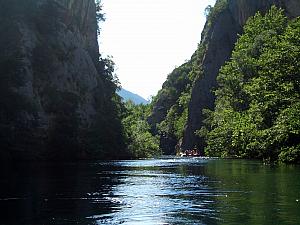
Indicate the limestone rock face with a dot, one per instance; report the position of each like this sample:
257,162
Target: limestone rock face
220,38
49,76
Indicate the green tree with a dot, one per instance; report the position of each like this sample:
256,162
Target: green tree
141,143
256,109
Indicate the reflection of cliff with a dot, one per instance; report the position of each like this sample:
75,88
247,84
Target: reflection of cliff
51,193
52,86
218,39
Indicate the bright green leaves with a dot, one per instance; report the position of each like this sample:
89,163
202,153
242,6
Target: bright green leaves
141,143
257,113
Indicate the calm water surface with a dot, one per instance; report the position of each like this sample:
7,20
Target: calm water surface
159,191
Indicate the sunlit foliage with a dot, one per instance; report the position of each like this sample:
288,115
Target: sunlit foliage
141,143
257,110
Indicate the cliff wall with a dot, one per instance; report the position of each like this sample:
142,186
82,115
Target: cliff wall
52,85
197,77
220,37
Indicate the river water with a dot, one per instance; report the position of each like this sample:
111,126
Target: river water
157,191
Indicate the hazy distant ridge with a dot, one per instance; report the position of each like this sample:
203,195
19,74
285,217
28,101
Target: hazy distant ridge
127,95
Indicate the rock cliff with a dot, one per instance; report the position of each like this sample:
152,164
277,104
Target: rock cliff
220,38
224,23
53,87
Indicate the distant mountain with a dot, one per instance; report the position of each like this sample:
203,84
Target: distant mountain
127,95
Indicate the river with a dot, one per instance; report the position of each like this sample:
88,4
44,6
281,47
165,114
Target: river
155,191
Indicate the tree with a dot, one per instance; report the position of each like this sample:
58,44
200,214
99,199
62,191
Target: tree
141,143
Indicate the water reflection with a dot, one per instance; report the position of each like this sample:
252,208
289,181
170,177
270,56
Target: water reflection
54,193
259,194
161,191
168,191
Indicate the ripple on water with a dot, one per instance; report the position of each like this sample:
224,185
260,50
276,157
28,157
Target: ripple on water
157,191
152,192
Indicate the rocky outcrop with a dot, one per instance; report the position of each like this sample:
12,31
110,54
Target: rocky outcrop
220,37
51,86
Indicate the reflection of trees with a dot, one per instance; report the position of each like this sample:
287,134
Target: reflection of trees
183,192
256,194
49,193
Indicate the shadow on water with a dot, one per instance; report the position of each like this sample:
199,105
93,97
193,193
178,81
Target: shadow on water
55,193
158,191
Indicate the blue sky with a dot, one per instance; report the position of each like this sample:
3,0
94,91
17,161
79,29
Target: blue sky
148,38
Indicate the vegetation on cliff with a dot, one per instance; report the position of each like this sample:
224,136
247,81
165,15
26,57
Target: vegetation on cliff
257,110
170,106
140,142
257,106
173,99
58,95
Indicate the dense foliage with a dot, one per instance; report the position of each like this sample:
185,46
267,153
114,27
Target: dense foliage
141,143
106,138
170,105
257,110
177,89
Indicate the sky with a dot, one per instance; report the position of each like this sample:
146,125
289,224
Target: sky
149,38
